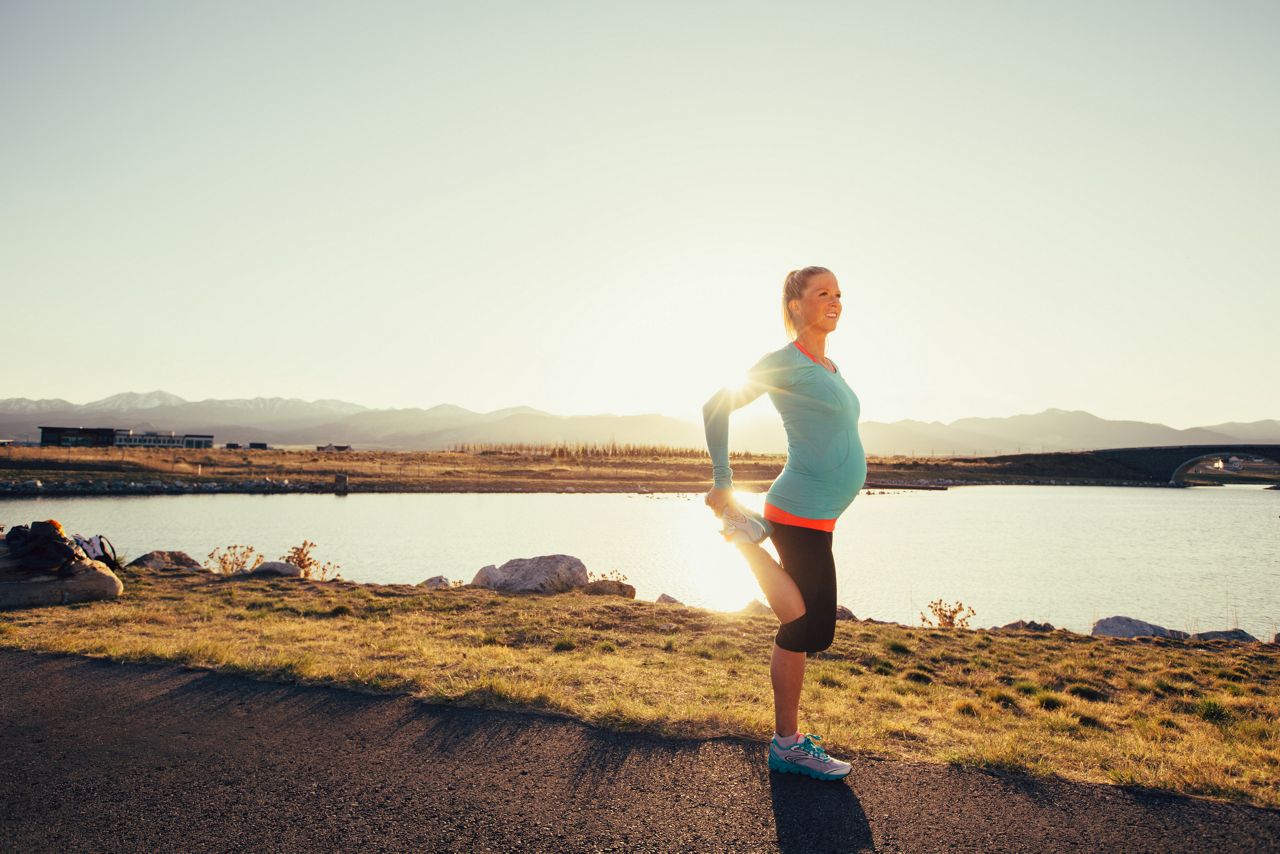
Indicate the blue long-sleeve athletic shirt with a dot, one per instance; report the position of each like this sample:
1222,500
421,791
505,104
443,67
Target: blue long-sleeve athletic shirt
826,464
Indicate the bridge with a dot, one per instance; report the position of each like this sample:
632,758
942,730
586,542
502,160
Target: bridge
1170,463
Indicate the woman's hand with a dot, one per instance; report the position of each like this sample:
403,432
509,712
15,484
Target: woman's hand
718,498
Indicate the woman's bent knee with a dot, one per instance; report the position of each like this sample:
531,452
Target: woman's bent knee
806,635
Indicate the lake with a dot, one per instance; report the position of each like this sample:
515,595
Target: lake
1192,559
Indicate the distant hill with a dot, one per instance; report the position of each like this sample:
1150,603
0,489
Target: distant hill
289,421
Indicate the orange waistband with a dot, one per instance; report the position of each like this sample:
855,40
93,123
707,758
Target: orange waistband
774,514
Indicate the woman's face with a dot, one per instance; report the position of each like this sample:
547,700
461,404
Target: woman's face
819,306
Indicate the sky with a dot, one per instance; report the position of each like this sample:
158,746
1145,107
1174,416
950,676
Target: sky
591,207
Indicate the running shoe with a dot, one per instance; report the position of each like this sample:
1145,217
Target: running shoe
806,757
744,526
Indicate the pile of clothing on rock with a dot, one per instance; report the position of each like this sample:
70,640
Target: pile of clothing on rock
46,547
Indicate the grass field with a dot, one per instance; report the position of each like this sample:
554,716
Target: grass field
1190,717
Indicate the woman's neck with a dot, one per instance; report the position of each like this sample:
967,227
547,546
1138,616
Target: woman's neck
815,343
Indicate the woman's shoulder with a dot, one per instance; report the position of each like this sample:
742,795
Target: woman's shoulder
780,361
784,355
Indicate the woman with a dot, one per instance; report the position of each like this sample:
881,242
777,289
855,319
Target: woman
825,468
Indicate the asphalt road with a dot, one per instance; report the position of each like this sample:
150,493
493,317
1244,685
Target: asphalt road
99,756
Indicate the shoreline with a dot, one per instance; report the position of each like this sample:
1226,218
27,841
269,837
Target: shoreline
267,486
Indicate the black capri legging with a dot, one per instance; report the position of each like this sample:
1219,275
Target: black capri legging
806,556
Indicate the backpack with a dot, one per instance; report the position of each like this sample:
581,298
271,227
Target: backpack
99,548
42,547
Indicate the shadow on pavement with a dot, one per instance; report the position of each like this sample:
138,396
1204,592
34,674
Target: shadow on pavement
817,815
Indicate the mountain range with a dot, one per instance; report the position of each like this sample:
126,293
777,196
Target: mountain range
289,421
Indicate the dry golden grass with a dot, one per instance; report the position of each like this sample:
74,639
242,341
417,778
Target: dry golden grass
1199,718
527,468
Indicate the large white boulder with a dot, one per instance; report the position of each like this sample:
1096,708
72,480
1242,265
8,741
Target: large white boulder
1128,627
277,569
542,574
82,581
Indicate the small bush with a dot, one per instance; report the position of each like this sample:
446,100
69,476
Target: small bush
897,647
829,681
966,708
233,559
918,676
610,575
300,556
1026,687
606,647
564,645
947,616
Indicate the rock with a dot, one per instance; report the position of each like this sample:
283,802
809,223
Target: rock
81,581
1128,627
1225,634
161,560
276,568
668,600
757,608
843,613
543,574
436,582
1025,626
608,587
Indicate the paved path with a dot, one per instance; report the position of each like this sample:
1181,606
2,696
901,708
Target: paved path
96,756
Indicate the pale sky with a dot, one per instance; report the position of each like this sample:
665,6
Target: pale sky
590,207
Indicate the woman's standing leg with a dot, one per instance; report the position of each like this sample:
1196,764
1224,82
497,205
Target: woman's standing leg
786,671
786,668
809,564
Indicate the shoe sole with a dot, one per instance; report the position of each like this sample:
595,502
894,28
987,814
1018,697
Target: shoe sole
778,765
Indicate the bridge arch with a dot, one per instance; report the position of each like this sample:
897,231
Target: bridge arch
1168,463
1174,478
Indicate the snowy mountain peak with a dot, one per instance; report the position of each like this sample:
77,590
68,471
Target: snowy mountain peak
135,400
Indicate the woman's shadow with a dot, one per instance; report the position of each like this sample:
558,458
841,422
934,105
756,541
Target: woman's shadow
817,815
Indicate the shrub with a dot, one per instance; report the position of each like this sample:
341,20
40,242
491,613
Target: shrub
1212,711
300,556
1049,702
1004,698
233,559
897,647
610,575
564,645
1087,692
947,616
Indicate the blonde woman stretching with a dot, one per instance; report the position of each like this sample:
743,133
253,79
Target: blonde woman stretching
825,468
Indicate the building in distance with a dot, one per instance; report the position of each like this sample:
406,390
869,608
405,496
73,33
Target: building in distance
117,437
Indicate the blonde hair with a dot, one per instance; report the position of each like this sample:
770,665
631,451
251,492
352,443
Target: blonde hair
793,288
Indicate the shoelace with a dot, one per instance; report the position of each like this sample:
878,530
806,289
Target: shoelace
809,745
